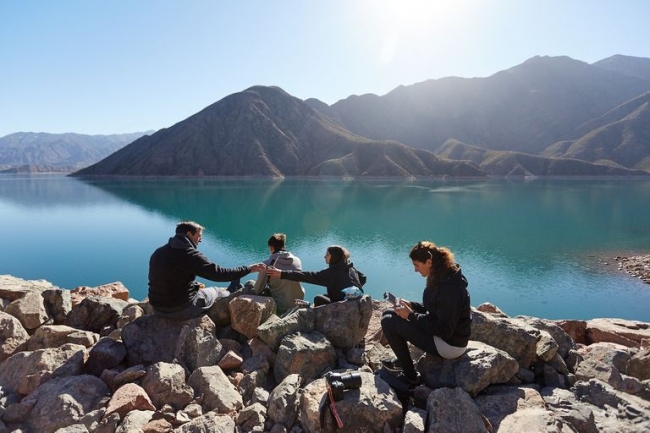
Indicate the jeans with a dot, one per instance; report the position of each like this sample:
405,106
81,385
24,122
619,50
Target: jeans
398,332
203,300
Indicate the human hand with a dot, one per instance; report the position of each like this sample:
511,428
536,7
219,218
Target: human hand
273,272
258,267
403,309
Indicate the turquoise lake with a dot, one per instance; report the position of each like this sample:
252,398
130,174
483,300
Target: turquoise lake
541,247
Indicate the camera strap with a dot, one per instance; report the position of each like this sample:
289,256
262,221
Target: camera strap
332,406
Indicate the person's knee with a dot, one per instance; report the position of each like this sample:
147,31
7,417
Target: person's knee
388,318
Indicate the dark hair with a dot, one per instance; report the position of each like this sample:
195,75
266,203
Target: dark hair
442,260
188,226
338,254
277,241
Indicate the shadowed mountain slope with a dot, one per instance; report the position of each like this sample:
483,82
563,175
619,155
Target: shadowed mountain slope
620,137
525,108
265,132
507,163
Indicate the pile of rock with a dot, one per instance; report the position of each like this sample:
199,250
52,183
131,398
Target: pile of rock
638,266
107,365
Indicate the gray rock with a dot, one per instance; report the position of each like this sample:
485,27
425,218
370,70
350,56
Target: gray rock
218,393
345,324
104,355
308,355
23,372
165,384
512,336
284,400
479,367
211,422
29,309
49,336
247,312
58,303
252,418
564,405
368,409
13,335
639,365
452,410
94,313
273,330
134,421
63,401
192,343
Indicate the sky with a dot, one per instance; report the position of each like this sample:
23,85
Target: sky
117,66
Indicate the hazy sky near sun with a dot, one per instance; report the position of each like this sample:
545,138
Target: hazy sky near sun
112,66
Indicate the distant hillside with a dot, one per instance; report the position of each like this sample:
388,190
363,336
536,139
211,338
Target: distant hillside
36,152
265,132
507,163
619,137
525,108
632,66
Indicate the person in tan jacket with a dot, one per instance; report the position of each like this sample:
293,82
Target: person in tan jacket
283,292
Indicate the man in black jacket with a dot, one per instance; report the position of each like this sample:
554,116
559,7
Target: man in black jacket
173,291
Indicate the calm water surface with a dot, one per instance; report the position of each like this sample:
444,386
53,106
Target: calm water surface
535,247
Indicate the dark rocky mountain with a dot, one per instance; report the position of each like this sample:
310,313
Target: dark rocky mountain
525,108
37,152
508,163
631,66
265,132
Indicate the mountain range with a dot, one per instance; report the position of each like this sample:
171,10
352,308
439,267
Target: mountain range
42,152
549,116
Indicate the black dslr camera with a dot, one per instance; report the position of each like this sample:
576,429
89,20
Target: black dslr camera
339,382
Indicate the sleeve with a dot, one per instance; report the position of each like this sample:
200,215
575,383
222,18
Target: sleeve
319,278
204,268
441,314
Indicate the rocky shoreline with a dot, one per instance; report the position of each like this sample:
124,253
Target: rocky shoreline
637,266
93,360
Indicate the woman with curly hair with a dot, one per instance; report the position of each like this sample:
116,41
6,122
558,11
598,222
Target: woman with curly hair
441,324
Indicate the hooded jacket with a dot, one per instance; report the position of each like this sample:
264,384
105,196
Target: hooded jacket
173,268
445,310
283,292
337,277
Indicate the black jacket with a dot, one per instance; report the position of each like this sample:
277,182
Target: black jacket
336,278
445,311
173,268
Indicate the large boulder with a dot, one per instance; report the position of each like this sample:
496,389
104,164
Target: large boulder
165,383
308,355
23,372
113,290
273,330
247,312
151,339
512,336
374,407
29,309
48,336
218,394
63,401
519,409
58,303
95,313
12,335
345,324
452,410
284,401
104,355
629,333
480,367
12,288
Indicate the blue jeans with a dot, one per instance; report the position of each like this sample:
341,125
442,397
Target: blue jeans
398,332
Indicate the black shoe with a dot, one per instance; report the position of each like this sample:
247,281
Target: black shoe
392,365
412,383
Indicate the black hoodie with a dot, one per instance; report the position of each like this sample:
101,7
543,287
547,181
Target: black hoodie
336,278
445,311
173,268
